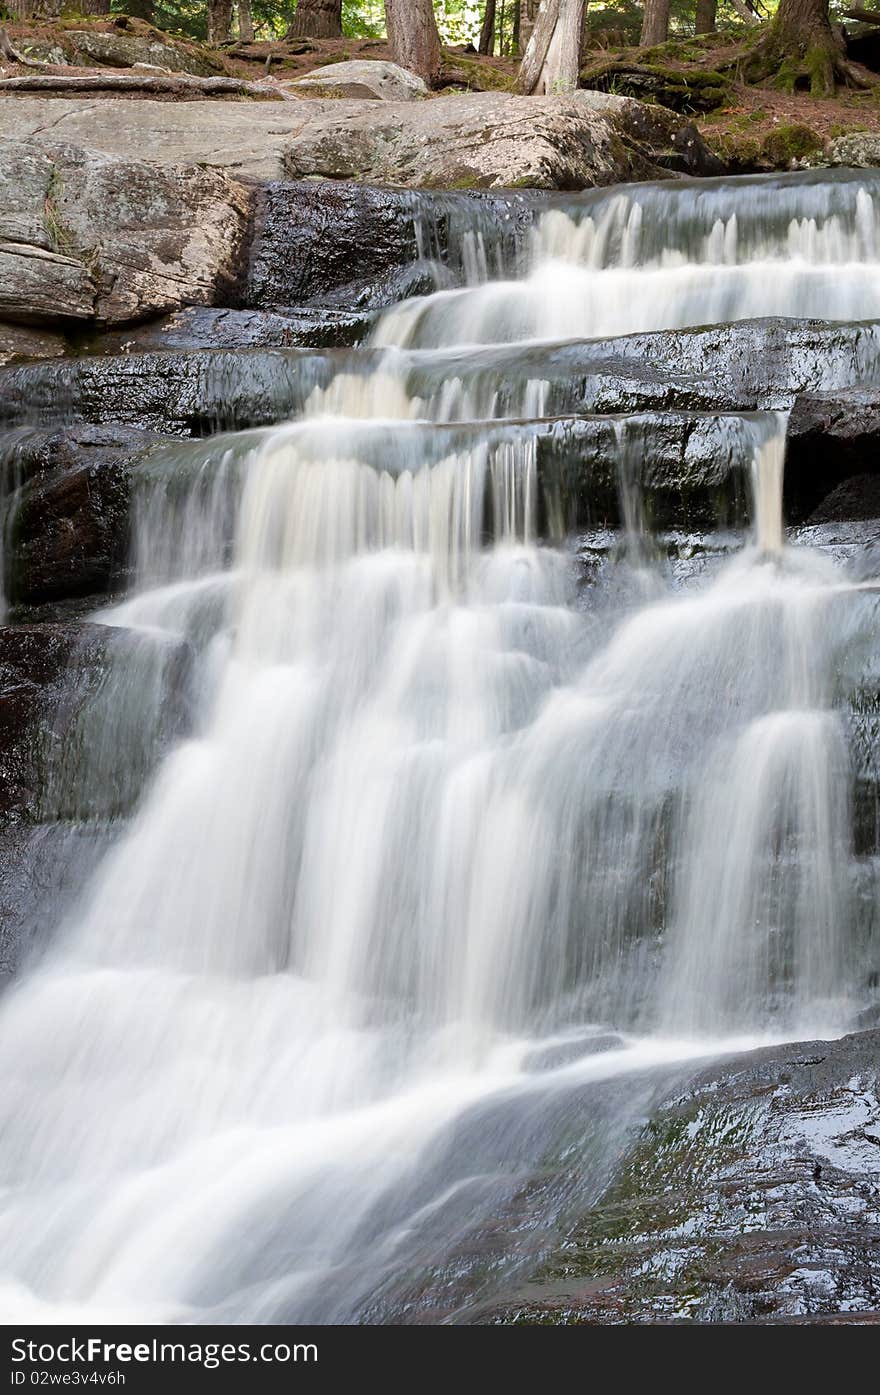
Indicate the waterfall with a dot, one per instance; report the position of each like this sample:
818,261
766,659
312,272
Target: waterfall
448,849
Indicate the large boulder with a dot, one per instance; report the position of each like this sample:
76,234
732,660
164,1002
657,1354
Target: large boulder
494,140
372,79
127,44
89,237
470,140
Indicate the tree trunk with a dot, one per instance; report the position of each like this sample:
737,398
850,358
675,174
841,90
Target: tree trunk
141,9
316,19
552,60
516,28
655,25
487,33
245,22
705,17
528,13
801,50
413,37
219,21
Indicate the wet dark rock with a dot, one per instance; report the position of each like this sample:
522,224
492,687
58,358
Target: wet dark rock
179,394
834,437
43,868
753,365
198,327
86,711
856,498
23,342
34,661
67,519
315,242
751,1194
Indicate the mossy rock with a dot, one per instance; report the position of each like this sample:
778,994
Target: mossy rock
686,91
785,144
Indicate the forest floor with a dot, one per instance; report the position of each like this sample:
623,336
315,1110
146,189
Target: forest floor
750,127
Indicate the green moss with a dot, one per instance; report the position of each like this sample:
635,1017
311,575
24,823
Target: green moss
820,70
787,143
480,76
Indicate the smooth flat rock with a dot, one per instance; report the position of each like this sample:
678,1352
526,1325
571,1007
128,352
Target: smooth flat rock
471,140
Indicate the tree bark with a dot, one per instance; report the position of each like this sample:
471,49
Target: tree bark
487,33
245,22
219,21
801,50
528,13
413,37
655,25
112,80
316,19
705,16
552,60
141,9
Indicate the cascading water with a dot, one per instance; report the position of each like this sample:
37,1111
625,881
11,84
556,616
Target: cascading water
336,1031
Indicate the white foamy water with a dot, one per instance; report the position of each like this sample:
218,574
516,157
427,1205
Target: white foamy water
446,854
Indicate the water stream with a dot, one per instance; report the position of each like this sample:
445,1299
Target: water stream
337,1030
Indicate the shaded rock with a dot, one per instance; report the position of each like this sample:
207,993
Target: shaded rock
85,236
33,662
752,1194
691,90
200,328
372,79
856,498
67,523
863,44
90,47
20,341
831,438
487,140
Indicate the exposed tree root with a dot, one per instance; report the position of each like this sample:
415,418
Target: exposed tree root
814,60
8,50
175,83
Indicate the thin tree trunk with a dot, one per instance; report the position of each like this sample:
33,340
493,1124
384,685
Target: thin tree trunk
487,33
516,28
744,11
316,19
528,13
245,22
219,21
655,25
705,16
413,37
141,9
552,60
